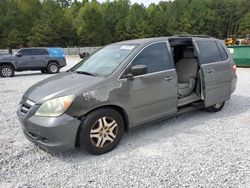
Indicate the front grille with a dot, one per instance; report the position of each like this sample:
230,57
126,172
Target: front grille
25,109
26,106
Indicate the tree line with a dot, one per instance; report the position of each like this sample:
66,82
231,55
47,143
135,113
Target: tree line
90,23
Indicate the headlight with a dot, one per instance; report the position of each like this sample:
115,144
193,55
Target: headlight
55,107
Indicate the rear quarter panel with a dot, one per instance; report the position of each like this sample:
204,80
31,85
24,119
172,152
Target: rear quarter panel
57,54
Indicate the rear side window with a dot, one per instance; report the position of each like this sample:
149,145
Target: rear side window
155,56
223,53
209,52
41,52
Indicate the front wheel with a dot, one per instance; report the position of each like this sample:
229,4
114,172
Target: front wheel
216,108
6,71
101,131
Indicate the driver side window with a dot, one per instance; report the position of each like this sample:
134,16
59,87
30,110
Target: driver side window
155,57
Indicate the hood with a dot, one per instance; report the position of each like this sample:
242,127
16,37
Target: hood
60,85
7,57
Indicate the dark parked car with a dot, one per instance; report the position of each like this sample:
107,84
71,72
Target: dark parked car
48,60
84,55
125,85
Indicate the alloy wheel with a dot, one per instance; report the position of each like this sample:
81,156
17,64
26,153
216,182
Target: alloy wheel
53,68
6,72
103,132
218,105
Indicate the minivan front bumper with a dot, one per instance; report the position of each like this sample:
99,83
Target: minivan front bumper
57,134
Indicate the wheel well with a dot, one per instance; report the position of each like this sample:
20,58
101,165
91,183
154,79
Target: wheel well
52,61
120,110
123,114
10,64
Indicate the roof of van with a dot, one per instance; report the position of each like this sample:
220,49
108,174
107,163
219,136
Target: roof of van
30,48
142,41
150,40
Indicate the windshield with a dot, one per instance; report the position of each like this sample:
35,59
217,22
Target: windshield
104,61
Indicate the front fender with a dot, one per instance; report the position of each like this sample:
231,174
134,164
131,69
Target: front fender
13,63
111,95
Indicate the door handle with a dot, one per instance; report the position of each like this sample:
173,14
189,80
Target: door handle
210,71
168,78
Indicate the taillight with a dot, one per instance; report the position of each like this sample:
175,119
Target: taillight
234,68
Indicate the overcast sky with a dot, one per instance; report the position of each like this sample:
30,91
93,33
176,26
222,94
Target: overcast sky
145,2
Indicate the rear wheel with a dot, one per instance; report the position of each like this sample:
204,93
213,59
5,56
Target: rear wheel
216,108
6,71
53,68
101,131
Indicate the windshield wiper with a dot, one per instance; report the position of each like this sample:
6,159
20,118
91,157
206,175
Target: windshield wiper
87,73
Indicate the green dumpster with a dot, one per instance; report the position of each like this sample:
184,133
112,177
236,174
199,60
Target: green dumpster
241,55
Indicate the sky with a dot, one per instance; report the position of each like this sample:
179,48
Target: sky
145,2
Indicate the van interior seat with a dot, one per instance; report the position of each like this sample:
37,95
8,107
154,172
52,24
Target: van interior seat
187,72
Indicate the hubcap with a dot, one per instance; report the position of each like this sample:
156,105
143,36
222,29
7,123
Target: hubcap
103,132
218,105
6,72
53,68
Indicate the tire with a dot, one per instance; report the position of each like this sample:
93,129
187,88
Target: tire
216,108
43,71
7,71
53,68
103,138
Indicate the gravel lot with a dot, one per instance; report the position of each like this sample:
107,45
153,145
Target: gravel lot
197,149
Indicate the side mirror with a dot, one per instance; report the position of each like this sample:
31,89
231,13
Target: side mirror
137,70
19,54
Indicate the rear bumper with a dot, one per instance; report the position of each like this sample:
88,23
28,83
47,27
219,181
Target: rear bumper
57,134
62,63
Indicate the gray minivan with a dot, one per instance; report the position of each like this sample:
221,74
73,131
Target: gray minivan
124,85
